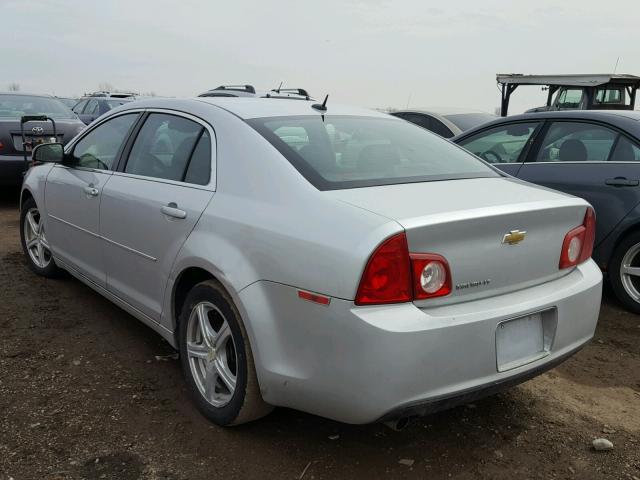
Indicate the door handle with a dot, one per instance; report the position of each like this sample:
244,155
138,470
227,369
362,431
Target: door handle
172,210
91,191
621,182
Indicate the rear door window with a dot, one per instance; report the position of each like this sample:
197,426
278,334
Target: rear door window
576,142
502,144
625,151
165,147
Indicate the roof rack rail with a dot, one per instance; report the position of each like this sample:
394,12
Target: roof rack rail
237,88
110,94
298,91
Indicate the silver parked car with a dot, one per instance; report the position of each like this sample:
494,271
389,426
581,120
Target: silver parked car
330,259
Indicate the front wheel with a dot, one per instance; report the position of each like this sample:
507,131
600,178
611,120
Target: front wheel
624,272
35,244
216,357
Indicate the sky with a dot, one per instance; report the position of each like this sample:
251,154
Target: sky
374,53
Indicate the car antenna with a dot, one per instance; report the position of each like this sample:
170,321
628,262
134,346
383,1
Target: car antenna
323,107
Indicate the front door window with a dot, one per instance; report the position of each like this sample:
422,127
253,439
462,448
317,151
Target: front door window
99,148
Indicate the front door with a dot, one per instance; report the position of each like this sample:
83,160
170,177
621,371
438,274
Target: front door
73,193
150,207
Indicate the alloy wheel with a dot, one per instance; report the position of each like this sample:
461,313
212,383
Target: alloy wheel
212,354
630,272
35,239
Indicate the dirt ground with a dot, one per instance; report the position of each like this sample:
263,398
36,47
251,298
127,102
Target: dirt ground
82,396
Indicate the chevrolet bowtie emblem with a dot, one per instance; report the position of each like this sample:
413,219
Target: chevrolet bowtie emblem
514,237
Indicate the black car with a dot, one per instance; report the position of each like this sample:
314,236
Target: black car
590,154
90,108
446,123
13,106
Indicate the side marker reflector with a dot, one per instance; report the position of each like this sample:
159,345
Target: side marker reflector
314,297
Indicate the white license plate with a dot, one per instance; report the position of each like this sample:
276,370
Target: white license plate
519,341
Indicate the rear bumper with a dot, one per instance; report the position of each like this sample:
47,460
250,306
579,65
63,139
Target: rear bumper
362,364
433,405
11,170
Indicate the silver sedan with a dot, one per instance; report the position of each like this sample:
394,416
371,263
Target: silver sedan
325,258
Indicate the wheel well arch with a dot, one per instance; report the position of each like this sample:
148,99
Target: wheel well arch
186,280
630,230
25,195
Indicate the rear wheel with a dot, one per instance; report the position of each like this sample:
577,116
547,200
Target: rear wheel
216,357
35,244
624,272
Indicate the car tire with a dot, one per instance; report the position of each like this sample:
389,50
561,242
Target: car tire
217,357
35,245
626,287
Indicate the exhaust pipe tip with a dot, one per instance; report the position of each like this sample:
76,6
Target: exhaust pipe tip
398,425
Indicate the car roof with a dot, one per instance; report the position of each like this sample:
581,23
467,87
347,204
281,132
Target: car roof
444,111
584,114
626,118
248,108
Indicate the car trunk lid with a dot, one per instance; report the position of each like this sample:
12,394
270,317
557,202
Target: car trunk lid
11,137
497,234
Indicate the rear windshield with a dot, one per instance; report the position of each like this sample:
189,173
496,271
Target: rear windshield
15,106
338,152
116,103
466,121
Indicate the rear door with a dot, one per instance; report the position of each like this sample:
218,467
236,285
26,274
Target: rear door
73,195
504,146
592,161
152,204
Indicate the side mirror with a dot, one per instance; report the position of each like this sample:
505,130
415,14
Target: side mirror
48,153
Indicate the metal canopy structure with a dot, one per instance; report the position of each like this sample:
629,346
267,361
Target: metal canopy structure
509,82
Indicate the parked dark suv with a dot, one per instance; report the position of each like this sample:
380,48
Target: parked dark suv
13,106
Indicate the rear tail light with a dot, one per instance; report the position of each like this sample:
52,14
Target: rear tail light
387,277
392,275
431,276
578,243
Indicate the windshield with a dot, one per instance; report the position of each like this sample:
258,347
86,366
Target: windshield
347,152
15,106
466,121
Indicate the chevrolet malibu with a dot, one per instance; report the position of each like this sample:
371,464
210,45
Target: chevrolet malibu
325,258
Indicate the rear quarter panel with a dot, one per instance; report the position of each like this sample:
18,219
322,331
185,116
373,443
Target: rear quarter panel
266,222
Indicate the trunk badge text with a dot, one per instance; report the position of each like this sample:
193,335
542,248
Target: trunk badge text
514,237
477,283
